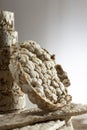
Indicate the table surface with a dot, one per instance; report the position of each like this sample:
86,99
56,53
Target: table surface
25,117
80,122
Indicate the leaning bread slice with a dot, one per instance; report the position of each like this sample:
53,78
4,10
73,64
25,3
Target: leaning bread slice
33,68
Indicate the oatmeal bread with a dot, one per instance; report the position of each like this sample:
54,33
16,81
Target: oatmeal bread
33,68
8,38
7,20
8,35
62,75
11,96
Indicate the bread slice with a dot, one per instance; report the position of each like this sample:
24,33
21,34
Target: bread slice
34,70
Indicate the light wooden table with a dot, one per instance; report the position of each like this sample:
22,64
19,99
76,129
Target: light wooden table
31,119
80,122
50,125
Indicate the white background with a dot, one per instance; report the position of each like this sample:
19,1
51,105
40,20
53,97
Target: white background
61,27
